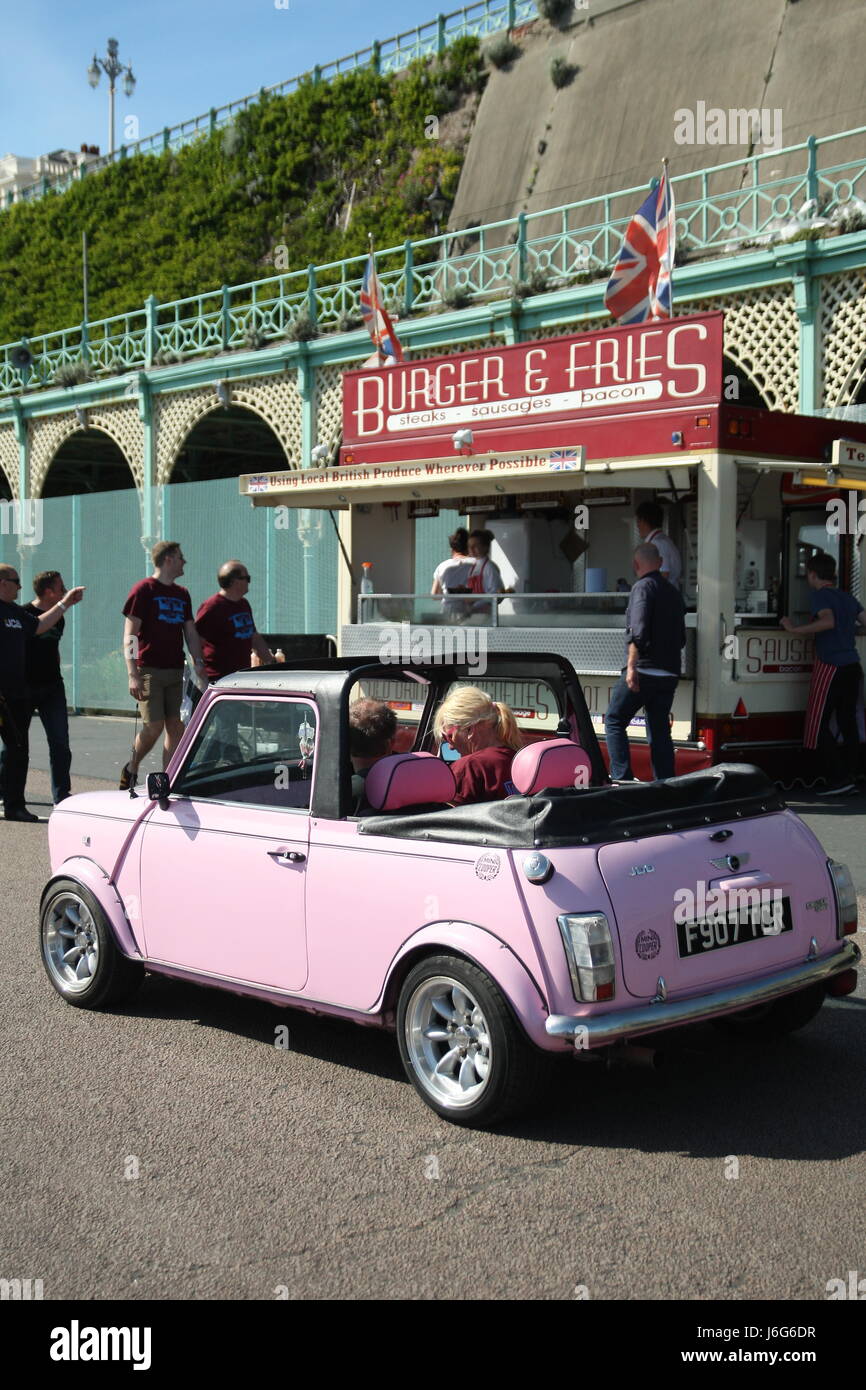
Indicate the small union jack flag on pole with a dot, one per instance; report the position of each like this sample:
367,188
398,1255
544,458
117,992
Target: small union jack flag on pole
641,285
373,312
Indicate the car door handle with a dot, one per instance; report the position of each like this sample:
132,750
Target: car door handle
286,856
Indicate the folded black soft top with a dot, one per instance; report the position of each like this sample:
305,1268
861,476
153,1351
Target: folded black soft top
591,815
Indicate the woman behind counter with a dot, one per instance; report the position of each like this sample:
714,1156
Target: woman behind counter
485,734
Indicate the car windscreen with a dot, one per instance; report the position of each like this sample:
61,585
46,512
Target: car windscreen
254,751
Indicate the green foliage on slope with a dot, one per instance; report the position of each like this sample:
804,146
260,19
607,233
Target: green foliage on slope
184,223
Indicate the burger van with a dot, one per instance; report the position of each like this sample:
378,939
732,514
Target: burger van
551,445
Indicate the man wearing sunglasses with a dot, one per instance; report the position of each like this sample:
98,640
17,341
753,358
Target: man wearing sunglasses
226,625
17,624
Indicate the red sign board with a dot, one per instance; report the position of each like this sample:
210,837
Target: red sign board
510,397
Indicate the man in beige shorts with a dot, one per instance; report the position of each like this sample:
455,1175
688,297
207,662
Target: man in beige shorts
158,613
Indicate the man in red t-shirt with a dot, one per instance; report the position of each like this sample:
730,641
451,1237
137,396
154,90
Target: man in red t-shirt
226,625
158,615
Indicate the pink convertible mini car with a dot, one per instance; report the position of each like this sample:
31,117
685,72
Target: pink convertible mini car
572,915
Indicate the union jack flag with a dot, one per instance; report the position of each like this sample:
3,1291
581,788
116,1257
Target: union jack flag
563,459
373,311
640,286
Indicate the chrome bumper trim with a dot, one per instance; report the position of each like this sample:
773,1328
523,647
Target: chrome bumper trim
599,1029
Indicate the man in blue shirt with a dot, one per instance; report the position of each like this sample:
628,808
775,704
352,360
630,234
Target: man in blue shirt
654,638
838,618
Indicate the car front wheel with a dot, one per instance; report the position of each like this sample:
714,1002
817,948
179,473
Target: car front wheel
79,952
460,1046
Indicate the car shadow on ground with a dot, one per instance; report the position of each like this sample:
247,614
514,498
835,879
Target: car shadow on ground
710,1094
714,1095
330,1039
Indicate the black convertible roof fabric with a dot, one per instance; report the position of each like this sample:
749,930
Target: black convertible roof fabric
591,815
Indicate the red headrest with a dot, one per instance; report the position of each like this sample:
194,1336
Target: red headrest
557,762
408,779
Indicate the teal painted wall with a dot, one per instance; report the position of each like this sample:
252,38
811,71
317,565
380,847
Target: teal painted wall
93,539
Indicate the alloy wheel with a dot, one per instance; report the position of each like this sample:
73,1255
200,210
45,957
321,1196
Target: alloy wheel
71,943
448,1042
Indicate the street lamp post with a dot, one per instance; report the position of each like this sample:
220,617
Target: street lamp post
439,206
112,67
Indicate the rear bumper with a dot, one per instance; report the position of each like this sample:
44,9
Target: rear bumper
602,1029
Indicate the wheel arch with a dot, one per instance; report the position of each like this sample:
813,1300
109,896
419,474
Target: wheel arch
482,948
88,874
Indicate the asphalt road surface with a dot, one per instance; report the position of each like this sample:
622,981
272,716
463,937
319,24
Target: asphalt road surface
170,1150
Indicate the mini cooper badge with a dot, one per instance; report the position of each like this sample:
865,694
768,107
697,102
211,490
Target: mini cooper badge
647,943
487,866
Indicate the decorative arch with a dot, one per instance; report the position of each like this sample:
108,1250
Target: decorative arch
743,369
275,399
50,433
9,460
762,336
843,332
224,443
328,404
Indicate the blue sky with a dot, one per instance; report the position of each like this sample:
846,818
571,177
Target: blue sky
187,56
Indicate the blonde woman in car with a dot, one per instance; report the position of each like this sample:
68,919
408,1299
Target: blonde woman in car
485,734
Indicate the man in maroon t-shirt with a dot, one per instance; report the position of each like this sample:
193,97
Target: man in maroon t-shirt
226,626
158,615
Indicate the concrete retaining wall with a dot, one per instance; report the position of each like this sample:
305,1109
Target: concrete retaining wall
641,61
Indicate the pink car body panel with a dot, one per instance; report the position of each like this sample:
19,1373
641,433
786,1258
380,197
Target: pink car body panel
219,895
367,895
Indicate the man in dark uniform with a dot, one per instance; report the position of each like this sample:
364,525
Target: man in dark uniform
654,637
17,624
45,689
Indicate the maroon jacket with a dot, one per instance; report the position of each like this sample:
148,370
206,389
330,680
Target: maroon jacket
483,776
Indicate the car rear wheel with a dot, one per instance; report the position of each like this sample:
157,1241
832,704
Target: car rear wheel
460,1046
79,952
774,1020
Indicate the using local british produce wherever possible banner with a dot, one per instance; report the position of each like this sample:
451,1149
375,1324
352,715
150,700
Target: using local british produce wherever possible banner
507,396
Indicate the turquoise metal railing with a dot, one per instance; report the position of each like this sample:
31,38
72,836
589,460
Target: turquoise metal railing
386,55
727,207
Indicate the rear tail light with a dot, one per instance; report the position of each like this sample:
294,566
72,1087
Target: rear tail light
846,898
589,949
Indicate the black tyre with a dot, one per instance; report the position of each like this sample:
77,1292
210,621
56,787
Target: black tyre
461,1047
80,955
774,1020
